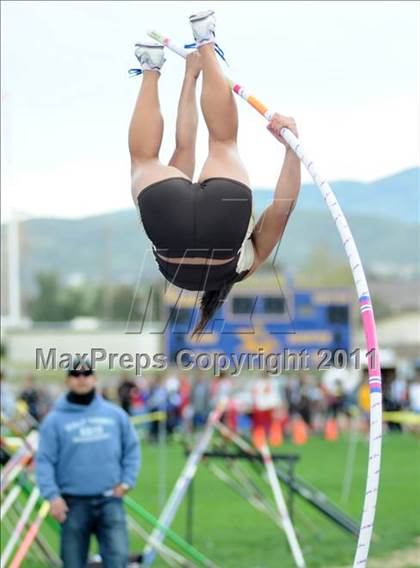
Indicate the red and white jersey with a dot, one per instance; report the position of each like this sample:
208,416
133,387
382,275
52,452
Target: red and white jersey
266,394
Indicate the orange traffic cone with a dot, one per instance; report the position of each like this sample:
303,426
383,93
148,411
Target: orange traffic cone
299,432
331,430
276,433
258,437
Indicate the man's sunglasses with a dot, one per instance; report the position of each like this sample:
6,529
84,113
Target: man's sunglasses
77,374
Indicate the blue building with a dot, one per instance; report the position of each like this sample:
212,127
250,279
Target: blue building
261,321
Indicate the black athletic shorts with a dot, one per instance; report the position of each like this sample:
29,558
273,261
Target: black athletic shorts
185,219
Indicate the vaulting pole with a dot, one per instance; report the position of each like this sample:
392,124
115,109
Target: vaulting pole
365,305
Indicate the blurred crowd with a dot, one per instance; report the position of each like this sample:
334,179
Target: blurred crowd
188,398
36,400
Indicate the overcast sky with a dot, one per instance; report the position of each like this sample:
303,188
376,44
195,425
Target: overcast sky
347,71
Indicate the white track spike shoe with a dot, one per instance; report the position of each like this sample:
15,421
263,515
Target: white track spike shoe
203,27
150,56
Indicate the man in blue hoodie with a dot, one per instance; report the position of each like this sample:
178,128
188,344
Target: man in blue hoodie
88,457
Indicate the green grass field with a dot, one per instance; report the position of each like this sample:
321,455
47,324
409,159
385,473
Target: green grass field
235,535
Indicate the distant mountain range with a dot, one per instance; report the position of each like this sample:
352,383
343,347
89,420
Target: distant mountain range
383,216
396,197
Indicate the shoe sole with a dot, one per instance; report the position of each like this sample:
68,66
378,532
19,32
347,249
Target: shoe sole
198,18
149,45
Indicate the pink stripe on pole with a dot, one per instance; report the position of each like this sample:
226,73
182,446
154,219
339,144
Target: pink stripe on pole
374,367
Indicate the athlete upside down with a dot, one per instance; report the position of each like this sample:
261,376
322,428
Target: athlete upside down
203,234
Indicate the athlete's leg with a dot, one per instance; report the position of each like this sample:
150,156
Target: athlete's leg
187,118
145,137
221,116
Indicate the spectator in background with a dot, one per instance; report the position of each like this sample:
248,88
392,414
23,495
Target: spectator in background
200,400
292,395
337,400
185,406
297,394
7,406
317,394
173,407
266,400
124,392
88,457
32,396
184,389
137,403
7,398
399,391
221,387
304,406
390,404
157,402
414,389
143,390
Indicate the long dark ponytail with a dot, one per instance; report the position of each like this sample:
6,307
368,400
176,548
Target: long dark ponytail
211,302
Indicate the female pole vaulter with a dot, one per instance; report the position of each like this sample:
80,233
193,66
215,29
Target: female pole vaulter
203,234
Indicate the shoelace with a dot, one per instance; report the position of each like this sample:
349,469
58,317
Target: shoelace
133,72
217,49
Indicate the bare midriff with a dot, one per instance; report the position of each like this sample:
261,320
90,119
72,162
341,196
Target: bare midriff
199,260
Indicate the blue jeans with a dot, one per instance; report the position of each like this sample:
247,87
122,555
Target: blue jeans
105,518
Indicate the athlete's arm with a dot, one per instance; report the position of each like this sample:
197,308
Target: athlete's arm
183,157
270,226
